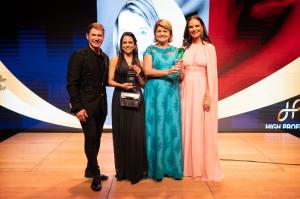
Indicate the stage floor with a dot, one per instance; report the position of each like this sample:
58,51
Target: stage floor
50,165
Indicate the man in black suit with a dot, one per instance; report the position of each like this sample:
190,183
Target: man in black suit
87,78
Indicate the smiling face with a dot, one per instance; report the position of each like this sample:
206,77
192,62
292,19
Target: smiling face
162,35
95,38
127,44
195,29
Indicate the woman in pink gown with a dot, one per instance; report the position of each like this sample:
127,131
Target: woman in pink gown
199,100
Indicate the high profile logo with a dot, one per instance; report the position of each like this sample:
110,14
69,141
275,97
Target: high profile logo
284,113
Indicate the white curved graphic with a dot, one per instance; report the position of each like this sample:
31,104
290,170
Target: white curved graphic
275,88
281,85
18,98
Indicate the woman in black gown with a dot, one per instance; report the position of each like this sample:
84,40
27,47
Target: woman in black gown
128,125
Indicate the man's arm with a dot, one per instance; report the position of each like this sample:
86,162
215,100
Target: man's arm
74,80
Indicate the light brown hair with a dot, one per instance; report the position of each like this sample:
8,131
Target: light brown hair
95,25
165,24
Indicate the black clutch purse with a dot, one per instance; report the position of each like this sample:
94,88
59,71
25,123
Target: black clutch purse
130,99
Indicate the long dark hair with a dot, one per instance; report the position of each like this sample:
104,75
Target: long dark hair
187,40
135,53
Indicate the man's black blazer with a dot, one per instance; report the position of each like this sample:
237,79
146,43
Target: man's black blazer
87,78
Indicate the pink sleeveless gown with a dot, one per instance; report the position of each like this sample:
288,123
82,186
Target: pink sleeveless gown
199,128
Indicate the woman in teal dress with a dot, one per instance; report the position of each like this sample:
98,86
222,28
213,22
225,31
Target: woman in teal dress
162,106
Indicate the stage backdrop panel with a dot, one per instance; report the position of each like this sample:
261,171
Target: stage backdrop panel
256,42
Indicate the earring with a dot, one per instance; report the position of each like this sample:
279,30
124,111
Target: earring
202,35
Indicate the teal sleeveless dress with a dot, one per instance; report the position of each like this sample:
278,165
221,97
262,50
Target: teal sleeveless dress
163,117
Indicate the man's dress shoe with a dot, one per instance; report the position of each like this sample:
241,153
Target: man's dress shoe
96,183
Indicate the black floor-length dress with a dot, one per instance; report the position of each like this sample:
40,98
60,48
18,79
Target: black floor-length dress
128,126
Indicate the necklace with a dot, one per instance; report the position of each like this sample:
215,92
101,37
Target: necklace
162,45
128,61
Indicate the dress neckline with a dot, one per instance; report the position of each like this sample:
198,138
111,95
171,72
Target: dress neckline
162,49
197,44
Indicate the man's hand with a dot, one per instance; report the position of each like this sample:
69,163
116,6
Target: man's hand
82,115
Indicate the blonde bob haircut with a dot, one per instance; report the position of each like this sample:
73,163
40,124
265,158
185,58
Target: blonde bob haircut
165,24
